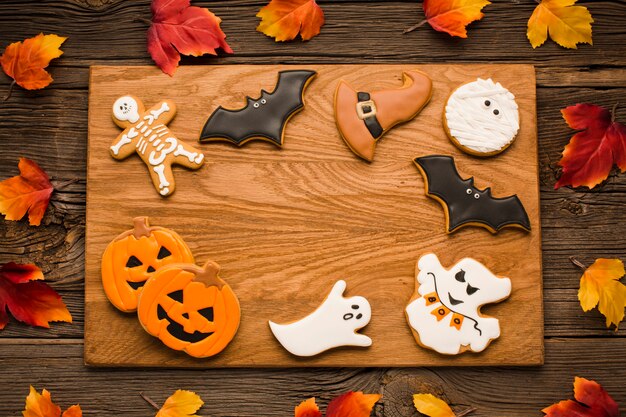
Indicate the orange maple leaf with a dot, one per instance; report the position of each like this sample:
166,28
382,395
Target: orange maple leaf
308,408
27,298
600,286
181,404
28,192
25,61
41,405
567,25
451,16
284,19
590,155
350,404
591,401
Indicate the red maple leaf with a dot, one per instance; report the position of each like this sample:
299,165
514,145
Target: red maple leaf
178,28
350,404
27,298
590,155
591,401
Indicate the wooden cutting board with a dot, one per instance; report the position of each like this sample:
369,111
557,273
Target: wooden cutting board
286,224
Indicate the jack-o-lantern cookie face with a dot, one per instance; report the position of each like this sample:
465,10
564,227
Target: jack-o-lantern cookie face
134,256
190,309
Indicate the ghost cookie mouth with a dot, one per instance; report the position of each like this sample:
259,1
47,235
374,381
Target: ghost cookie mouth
454,301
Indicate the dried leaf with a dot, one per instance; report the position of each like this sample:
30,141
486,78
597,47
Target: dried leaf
588,158
181,404
600,286
591,401
432,406
452,16
308,408
41,405
25,61
352,404
28,192
178,28
27,298
284,19
567,25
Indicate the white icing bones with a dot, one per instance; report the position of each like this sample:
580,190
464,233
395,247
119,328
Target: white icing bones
482,116
333,324
447,316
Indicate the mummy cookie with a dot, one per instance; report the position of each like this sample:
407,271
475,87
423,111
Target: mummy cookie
263,118
481,118
463,203
147,134
362,118
444,313
335,323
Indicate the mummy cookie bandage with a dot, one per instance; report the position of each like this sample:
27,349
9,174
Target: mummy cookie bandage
482,118
333,324
444,313
147,134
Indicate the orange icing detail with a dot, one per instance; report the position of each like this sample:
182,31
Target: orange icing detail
440,312
431,298
457,321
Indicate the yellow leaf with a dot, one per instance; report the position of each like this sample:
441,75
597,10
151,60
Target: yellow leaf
181,404
566,24
600,286
432,406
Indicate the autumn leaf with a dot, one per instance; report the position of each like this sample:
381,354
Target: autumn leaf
567,25
432,406
178,28
451,16
284,19
181,404
41,405
27,298
588,158
308,408
25,61
28,192
600,286
591,401
352,404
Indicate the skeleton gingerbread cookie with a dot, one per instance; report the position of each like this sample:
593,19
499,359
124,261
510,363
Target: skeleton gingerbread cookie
444,312
335,323
146,133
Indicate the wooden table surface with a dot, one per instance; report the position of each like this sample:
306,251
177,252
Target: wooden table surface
50,126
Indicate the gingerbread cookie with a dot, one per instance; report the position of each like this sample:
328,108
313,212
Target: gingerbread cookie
444,313
190,309
362,118
146,133
481,118
133,257
263,118
463,203
333,324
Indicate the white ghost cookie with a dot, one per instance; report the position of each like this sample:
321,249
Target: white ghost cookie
444,313
333,324
482,118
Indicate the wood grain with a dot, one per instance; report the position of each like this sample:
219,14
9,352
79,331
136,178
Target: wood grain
285,225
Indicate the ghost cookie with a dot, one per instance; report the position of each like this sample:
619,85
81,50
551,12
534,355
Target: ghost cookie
147,134
481,118
333,324
444,313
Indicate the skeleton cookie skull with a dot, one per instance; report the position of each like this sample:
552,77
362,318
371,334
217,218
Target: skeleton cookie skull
146,133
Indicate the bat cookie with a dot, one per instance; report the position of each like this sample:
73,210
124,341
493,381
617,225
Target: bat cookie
333,324
362,118
463,203
146,133
263,118
481,118
444,312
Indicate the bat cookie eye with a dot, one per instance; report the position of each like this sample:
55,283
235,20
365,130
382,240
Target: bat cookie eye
256,105
476,196
469,191
263,101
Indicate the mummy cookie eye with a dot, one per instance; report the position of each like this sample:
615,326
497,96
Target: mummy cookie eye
496,112
460,276
469,191
487,103
471,290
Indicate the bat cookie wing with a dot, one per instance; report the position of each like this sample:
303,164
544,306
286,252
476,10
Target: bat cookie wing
263,118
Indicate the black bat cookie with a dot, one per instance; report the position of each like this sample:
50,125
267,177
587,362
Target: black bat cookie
463,203
263,118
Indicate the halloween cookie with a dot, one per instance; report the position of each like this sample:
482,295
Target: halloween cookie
481,118
133,257
463,203
364,117
335,323
190,309
147,134
263,118
444,312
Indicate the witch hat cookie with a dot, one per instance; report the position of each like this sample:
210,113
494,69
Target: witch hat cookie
362,118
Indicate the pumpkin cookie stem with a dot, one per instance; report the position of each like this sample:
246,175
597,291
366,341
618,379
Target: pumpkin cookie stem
209,275
142,227
149,401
